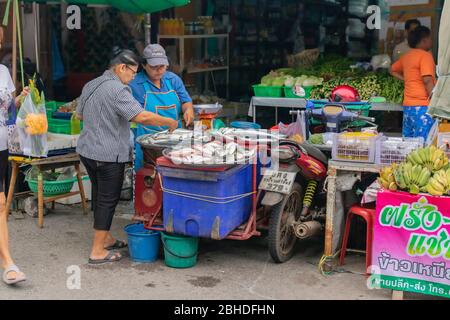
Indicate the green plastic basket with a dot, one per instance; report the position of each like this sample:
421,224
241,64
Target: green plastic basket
268,91
289,94
59,126
52,188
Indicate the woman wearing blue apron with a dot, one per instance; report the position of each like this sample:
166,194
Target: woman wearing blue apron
161,92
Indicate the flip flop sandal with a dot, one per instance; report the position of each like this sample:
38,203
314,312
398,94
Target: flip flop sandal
119,244
20,276
112,256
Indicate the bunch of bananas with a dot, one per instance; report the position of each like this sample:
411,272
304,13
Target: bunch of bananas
431,157
439,184
387,179
412,178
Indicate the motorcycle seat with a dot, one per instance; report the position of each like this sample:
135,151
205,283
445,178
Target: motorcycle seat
314,152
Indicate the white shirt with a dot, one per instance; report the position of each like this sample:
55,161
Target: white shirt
7,89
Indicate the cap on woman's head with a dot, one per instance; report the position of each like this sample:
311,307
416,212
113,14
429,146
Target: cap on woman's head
124,56
155,55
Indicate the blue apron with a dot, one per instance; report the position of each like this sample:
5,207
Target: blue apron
166,104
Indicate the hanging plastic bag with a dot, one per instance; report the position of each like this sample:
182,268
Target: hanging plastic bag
32,124
295,130
13,132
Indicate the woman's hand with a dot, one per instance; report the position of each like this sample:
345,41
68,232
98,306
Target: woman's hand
23,94
188,116
172,124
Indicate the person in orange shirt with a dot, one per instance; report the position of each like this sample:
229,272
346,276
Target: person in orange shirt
417,69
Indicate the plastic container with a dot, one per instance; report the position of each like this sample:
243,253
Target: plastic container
207,204
304,92
354,147
395,150
244,125
63,126
75,124
179,251
143,244
268,91
52,188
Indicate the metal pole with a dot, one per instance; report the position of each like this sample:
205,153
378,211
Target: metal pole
36,37
148,28
14,48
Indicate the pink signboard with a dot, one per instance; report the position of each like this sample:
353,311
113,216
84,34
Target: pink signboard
411,245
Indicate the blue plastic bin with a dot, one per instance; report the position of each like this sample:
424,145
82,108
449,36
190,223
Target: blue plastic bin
207,204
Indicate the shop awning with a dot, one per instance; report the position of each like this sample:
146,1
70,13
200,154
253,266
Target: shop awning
440,102
131,6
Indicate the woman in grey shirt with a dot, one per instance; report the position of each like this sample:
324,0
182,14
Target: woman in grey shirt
106,107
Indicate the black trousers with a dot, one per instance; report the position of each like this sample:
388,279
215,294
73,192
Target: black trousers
106,179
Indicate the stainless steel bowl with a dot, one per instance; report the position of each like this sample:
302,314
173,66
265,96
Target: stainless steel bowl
207,108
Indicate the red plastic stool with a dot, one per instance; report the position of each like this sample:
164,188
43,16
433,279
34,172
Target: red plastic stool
367,214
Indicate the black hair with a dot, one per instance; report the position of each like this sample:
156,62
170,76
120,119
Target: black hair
124,56
410,22
417,35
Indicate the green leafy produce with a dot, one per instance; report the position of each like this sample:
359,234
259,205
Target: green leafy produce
316,138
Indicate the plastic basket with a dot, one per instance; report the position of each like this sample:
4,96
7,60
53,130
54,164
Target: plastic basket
395,150
59,126
52,188
268,91
354,147
288,93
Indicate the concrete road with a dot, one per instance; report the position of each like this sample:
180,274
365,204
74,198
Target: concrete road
225,269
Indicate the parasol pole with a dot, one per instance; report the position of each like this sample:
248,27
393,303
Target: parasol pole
148,28
36,40
19,35
14,48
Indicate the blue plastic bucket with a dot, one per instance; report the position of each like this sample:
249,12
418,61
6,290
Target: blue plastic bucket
143,244
245,125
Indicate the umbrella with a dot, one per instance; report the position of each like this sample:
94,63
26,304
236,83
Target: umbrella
131,6
440,102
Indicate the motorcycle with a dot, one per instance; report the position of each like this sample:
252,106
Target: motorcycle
294,194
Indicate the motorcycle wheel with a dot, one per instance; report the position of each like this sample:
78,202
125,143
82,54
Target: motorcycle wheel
282,238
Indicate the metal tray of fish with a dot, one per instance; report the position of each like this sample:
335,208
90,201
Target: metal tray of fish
248,135
210,155
166,139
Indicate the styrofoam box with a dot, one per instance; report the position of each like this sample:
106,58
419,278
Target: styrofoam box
61,141
77,198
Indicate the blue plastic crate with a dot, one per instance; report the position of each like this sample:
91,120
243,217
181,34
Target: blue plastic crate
206,204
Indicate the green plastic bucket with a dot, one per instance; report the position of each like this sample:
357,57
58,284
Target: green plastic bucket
179,251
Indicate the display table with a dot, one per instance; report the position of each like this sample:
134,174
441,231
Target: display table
301,104
45,164
341,177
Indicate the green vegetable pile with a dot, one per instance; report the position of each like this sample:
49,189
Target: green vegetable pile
331,71
279,78
370,85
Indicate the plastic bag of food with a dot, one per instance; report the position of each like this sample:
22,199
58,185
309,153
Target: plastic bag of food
294,129
32,124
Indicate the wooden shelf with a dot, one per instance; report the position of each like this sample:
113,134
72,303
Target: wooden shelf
193,36
198,70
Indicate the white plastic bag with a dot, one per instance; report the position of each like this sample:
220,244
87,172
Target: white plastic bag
32,118
294,128
381,61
